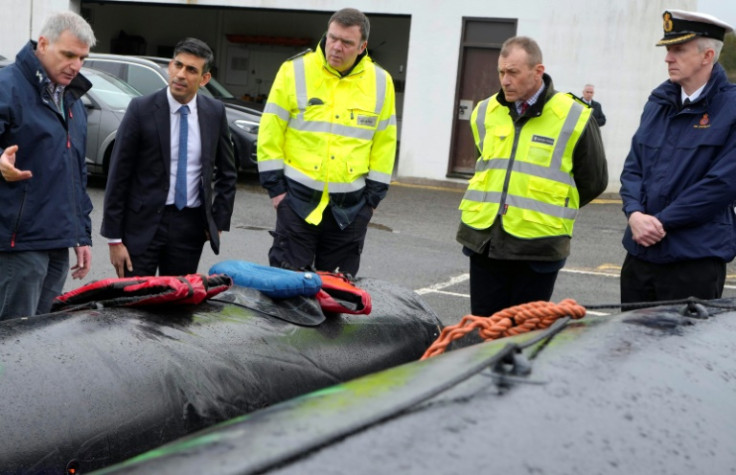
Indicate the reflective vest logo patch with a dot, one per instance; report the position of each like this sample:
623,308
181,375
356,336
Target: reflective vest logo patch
367,120
544,140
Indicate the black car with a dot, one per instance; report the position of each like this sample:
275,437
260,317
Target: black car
149,74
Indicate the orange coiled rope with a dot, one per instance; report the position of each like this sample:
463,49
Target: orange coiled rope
507,322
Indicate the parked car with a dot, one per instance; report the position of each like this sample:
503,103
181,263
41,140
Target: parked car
149,74
105,104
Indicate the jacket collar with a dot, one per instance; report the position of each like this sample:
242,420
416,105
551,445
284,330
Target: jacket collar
669,92
536,109
357,67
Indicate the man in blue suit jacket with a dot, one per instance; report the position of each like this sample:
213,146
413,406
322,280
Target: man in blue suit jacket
158,215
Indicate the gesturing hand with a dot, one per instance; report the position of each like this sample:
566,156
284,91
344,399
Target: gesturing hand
7,166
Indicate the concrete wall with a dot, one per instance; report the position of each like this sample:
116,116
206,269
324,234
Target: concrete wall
609,44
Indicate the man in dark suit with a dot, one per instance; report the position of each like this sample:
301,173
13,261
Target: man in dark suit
598,114
171,147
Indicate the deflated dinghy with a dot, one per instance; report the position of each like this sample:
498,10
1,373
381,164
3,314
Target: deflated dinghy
643,392
84,389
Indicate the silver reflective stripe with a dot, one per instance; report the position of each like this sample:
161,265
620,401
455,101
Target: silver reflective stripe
546,208
270,165
480,122
567,129
357,185
276,110
554,174
328,127
384,178
380,88
524,167
482,196
521,202
299,177
300,81
385,124
491,164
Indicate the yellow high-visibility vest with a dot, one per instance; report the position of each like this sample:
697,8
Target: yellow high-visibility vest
524,172
326,131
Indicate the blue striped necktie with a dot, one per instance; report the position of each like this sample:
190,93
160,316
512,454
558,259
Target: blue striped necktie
180,190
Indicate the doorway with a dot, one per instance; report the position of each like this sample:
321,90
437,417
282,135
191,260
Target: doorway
477,79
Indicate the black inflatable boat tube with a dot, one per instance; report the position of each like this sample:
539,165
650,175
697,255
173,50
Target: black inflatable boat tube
87,389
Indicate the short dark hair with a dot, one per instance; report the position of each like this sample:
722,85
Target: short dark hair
533,51
199,49
352,17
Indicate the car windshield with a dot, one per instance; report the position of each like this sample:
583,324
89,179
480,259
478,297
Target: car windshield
218,90
112,91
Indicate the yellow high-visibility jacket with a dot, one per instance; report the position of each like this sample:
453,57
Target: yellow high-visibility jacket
323,131
524,172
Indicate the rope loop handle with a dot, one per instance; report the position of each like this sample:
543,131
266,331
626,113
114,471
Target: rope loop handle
507,322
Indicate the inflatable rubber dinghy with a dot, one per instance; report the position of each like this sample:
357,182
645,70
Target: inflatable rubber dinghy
81,390
643,392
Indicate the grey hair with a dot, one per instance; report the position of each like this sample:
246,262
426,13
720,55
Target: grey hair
710,43
59,22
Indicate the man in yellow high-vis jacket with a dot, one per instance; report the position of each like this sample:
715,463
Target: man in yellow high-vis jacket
541,159
326,148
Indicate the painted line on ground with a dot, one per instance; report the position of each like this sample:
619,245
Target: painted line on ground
440,287
437,287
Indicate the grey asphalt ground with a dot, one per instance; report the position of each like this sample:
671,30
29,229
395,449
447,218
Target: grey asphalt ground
411,242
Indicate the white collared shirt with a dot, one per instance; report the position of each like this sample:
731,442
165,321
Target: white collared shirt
694,96
194,150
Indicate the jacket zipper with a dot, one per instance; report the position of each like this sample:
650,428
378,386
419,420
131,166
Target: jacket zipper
17,221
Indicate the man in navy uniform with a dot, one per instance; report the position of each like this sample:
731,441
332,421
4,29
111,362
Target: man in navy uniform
679,180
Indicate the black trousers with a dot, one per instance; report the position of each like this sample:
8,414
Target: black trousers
498,284
643,281
176,247
299,245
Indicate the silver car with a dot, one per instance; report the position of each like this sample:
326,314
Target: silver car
106,103
149,74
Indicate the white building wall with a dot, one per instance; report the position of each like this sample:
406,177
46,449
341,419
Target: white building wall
609,44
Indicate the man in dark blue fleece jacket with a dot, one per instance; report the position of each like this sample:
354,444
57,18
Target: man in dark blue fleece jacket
43,132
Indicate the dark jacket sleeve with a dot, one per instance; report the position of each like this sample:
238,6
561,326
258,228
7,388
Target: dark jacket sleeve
600,117
123,162
226,178
590,168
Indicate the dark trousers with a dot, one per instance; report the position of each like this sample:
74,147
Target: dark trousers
643,281
299,245
30,280
498,284
176,247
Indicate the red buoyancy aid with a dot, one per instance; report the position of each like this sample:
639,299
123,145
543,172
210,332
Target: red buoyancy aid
338,294
147,290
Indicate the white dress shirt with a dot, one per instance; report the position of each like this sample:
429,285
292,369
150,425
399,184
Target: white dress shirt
194,151
694,96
